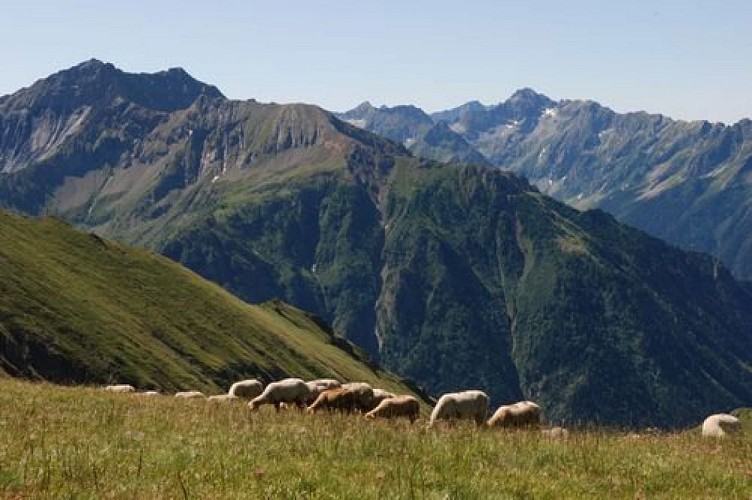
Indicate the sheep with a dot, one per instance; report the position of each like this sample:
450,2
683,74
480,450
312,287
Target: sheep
120,388
222,398
334,399
246,389
396,406
363,395
318,386
327,383
521,414
380,395
461,405
721,425
189,395
289,390
149,393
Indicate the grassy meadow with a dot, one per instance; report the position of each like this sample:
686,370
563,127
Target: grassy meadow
64,442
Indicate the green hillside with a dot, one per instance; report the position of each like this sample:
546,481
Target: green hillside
77,308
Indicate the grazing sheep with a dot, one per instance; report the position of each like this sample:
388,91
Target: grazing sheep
396,406
189,395
380,395
318,386
289,390
334,399
522,414
326,383
149,393
555,433
246,389
721,425
222,398
363,395
120,388
461,405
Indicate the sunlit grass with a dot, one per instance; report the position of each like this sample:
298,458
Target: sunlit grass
62,442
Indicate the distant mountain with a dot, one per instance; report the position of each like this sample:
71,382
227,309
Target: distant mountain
35,120
455,275
417,131
685,182
455,114
77,308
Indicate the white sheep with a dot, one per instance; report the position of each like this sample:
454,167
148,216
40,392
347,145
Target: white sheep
721,425
150,394
120,388
222,398
318,386
190,395
521,414
246,389
289,390
461,405
363,395
396,406
380,395
326,383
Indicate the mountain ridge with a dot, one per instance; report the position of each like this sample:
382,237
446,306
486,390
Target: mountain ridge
634,165
457,275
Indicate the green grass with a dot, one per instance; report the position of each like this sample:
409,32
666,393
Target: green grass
75,308
61,442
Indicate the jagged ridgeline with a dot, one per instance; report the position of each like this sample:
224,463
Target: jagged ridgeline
457,276
75,308
686,182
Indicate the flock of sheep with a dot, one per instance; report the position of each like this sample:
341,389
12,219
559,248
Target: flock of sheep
330,394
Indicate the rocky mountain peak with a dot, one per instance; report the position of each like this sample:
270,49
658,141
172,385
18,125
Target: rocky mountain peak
527,94
360,111
526,101
95,82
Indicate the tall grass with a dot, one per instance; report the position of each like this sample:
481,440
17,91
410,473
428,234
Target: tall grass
58,442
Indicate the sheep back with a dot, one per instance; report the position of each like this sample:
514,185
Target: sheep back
120,388
470,405
334,399
396,406
721,425
289,390
520,414
363,395
246,389
189,394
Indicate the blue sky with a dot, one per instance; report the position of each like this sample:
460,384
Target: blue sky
687,59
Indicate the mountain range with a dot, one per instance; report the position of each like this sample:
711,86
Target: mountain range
456,275
688,183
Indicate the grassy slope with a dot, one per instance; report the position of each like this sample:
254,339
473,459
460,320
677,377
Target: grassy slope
77,442
76,308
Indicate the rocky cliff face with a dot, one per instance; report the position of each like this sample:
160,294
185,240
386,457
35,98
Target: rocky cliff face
36,122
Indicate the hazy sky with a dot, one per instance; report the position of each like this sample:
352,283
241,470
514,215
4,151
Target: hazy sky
687,59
